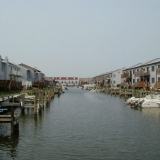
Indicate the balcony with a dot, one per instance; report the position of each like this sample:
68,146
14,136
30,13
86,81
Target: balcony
38,84
126,75
15,73
142,73
141,84
158,70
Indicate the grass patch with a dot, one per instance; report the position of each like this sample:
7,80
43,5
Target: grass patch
2,93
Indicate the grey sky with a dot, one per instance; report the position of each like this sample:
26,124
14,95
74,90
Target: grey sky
81,38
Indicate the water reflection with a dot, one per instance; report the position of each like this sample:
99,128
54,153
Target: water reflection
84,125
155,112
8,146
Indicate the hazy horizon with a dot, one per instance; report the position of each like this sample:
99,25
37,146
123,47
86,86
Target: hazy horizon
71,38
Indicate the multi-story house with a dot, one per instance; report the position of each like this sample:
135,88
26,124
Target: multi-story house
147,75
142,75
116,77
4,68
14,72
127,76
9,74
31,76
83,81
48,81
109,79
99,80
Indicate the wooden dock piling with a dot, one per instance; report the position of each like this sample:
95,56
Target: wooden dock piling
12,119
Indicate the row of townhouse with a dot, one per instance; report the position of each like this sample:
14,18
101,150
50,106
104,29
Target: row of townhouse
142,75
112,78
22,74
66,81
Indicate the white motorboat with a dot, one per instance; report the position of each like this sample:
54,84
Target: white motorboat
158,103
88,86
130,100
151,103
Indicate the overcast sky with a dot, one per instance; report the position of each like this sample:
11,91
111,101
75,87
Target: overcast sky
81,38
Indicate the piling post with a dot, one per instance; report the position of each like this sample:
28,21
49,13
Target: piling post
43,98
23,103
35,104
12,119
125,94
45,92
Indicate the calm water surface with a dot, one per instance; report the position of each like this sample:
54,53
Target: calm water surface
80,125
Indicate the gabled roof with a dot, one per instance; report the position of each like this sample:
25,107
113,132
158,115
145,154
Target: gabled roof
135,66
152,61
28,67
12,64
107,73
157,60
118,69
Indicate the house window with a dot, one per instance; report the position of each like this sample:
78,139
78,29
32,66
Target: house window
137,80
158,66
133,71
158,79
152,68
133,80
147,68
153,80
137,70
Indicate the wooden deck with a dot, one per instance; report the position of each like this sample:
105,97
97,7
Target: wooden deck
7,118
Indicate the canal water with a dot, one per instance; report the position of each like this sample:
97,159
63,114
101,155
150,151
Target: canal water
81,125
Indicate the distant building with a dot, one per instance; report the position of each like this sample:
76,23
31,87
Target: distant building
85,81
112,79
67,81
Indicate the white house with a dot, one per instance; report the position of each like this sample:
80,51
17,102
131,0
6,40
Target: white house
116,77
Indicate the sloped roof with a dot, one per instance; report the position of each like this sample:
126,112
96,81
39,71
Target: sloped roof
28,67
12,64
152,61
134,66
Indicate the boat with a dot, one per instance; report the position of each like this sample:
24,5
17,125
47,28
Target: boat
29,99
147,102
130,100
88,86
151,103
15,101
158,103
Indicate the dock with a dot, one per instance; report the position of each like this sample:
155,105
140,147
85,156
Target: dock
40,97
12,119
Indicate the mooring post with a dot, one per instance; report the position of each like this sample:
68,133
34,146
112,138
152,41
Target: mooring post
12,119
45,92
49,95
35,104
40,101
43,98
22,103
125,94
